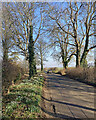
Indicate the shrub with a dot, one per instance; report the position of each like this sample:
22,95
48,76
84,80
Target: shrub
10,73
18,77
84,74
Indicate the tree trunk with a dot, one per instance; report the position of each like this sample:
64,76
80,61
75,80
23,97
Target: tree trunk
65,64
5,55
84,55
84,63
35,66
41,57
5,51
62,55
32,63
64,59
41,65
77,56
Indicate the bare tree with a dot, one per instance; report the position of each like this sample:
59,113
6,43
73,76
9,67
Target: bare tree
72,15
6,32
24,14
26,28
41,51
89,27
67,50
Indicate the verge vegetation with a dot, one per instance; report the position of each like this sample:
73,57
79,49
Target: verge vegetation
23,100
11,73
86,75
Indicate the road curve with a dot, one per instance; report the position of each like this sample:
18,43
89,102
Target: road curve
67,98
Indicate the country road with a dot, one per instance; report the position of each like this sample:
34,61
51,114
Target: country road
67,98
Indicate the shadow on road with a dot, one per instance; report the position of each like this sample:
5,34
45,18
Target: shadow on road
59,81
70,104
57,115
72,99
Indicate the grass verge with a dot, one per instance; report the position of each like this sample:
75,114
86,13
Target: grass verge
23,100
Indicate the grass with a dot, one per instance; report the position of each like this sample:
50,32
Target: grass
23,100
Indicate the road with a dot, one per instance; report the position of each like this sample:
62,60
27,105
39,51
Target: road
67,98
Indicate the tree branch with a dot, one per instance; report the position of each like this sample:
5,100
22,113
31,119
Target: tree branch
38,31
91,48
60,26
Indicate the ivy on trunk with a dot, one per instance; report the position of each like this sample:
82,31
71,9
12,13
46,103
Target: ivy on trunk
32,62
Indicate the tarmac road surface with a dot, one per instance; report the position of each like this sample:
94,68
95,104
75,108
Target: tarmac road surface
68,98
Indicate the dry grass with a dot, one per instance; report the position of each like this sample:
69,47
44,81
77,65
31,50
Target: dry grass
84,74
61,72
